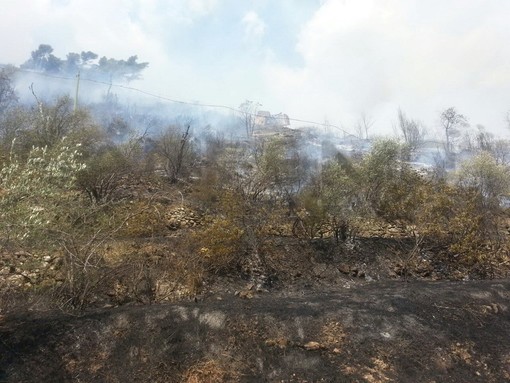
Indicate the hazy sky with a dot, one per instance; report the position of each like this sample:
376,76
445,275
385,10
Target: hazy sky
311,59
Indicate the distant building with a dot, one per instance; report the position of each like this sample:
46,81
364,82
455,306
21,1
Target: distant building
265,119
282,119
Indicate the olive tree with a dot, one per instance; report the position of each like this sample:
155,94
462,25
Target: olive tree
388,182
37,193
332,199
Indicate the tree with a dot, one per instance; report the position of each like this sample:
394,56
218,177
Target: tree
176,151
123,70
43,59
51,122
45,125
87,57
363,125
329,203
501,151
8,95
411,130
248,113
72,63
497,148
78,62
280,167
391,189
489,180
452,122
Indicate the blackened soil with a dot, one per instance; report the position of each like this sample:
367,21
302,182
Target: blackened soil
371,332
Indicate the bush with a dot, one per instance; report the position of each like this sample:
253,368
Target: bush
452,219
221,244
104,174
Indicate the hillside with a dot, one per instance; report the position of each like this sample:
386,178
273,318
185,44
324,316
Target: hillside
137,247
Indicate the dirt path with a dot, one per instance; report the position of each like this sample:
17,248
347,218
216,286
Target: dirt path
373,332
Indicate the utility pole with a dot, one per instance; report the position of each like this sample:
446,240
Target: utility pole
77,91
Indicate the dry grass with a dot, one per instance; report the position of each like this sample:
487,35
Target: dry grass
332,335
506,366
148,220
211,371
379,371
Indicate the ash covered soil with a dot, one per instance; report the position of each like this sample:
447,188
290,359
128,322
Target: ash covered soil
381,331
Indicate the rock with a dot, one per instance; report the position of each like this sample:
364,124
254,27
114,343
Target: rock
344,268
319,269
16,279
260,289
278,342
245,294
21,254
312,346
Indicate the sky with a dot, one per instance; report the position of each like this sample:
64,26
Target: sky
319,60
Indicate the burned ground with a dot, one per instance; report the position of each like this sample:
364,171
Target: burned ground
384,331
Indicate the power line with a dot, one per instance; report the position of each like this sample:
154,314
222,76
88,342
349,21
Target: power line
141,91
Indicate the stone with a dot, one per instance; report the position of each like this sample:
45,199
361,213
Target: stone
312,346
246,294
319,269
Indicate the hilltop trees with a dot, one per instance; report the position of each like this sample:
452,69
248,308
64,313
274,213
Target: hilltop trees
87,63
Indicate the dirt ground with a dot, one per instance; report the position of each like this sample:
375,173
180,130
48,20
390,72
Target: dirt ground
379,331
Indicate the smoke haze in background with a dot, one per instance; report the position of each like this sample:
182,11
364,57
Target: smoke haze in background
311,59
